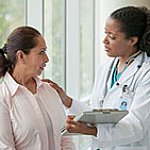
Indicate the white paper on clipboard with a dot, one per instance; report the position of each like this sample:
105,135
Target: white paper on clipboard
100,116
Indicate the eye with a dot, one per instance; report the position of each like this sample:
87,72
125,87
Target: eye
111,36
42,52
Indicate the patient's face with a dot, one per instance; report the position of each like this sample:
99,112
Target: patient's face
36,60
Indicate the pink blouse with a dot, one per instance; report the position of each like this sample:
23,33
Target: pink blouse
25,117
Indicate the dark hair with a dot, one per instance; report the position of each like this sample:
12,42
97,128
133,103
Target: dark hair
135,22
22,38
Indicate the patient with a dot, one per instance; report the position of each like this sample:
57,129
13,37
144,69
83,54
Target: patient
31,112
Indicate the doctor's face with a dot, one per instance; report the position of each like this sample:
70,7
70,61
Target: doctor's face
115,42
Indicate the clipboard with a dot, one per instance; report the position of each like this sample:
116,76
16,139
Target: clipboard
99,116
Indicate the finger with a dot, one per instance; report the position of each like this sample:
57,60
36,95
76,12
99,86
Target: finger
70,128
48,81
71,122
71,117
53,84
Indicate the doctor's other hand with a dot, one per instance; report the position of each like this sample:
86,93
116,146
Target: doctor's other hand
66,100
79,127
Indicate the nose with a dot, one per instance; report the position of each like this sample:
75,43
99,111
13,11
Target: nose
46,59
105,40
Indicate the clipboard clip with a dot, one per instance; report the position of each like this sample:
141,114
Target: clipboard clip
105,111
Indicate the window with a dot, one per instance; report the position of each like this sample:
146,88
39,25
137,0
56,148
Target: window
68,25
87,50
54,31
61,35
10,18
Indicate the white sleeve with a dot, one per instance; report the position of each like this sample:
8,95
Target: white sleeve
77,107
6,131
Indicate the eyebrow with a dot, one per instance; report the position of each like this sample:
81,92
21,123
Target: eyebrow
41,49
116,34
44,48
111,33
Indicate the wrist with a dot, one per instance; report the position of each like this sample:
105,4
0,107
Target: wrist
91,131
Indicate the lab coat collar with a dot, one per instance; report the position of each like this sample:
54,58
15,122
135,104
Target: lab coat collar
132,68
127,74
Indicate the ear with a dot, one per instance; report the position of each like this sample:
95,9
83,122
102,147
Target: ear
133,41
20,56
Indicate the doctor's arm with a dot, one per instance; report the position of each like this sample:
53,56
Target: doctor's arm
6,131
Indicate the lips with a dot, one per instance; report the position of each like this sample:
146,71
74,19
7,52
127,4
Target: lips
106,48
42,67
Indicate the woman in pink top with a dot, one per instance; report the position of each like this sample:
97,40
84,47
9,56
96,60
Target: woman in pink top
31,112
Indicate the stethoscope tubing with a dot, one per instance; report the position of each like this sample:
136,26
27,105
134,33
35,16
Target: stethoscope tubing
117,83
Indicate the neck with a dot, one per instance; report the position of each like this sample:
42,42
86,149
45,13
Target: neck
22,78
126,61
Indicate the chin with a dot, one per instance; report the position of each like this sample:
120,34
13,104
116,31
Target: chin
110,55
39,73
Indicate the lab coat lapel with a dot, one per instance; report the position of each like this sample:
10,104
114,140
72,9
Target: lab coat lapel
109,79
128,73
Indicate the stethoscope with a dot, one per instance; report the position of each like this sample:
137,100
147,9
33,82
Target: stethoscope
130,59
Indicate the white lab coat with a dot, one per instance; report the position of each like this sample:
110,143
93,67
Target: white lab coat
133,131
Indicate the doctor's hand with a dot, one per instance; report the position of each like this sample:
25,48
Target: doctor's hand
66,100
79,127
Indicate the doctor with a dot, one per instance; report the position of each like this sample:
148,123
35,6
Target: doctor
123,83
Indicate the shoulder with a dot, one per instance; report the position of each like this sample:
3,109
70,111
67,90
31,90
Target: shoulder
49,88
146,68
144,74
146,62
106,66
143,58
45,87
4,95
107,63
3,89
48,91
